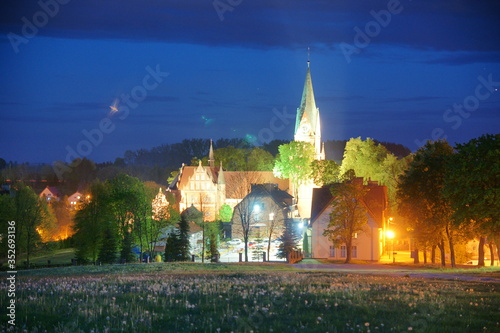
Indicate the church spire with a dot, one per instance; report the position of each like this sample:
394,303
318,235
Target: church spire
307,113
308,123
211,160
221,179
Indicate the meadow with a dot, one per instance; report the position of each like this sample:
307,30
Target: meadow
193,297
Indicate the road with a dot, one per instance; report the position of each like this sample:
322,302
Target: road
392,270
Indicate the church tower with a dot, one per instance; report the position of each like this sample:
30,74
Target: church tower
308,129
308,122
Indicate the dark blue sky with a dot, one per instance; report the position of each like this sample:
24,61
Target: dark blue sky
232,69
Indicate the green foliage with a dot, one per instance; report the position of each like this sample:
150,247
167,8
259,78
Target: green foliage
420,195
472,181
89,222
289,240
225,213
172,247
348,215
30,213
183,240
325,172
212,238
373,161
259,160
294,162
108,250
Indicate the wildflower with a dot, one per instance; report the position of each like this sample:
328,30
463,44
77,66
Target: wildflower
410,328
367,324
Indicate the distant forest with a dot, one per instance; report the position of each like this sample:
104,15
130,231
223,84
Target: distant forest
173,155
158,164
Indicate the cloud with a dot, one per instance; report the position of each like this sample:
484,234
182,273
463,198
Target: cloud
440,25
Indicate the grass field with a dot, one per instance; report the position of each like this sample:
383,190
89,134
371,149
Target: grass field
193,297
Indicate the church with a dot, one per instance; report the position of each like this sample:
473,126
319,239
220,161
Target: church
210,187
308,129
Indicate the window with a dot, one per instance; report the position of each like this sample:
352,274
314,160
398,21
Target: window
343,253
271,216
354,251
332,251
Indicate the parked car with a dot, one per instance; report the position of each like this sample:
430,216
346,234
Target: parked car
235,241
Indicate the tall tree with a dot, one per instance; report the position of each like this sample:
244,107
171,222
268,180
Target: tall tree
294,162
259,160
289,240
421,187
348,216
32,217
244,218
371,160
472,185
90,220
325,172
131,208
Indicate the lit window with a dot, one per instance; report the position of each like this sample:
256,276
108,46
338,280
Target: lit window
271,216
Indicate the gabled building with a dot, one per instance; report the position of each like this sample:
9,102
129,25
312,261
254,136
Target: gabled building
51,193
74,199
209,187
368,244
263,211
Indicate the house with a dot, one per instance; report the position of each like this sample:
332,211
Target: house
209,187
74,199
368,244
50,193
263,211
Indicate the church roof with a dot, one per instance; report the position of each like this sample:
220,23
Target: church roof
307,112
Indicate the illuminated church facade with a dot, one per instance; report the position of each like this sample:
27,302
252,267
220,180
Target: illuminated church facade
308,129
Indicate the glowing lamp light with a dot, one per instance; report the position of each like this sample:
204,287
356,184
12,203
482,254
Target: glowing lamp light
256,208
390,234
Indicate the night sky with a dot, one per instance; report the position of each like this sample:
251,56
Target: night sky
395,71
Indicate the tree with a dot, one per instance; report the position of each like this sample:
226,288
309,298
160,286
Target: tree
108,251
212,239
275,226
244,219
371,160
32,217
420,195
294,162
259,160
348,216
183,243
131,208
289,240
472,186
90,221
325,172
172,247
233,159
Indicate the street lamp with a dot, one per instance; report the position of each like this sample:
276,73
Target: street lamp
390,234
